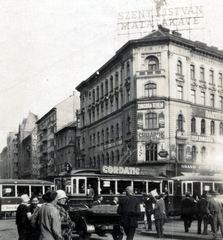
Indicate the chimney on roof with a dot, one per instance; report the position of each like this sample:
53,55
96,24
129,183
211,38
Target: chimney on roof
161,28
177,34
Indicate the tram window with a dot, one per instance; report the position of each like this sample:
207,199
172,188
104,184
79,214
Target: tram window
189,188
178,189
8,191
37,190
207,187
170,188
122,186
196,190
81,185
22,190
58,184
74,186
139,187
107,187
68,185
47,188
219,187
153,185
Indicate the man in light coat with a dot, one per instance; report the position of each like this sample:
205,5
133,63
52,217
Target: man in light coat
49,219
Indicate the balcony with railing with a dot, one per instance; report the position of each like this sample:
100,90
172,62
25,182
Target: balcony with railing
151,73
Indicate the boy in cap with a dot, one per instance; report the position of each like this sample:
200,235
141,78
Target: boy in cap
22,221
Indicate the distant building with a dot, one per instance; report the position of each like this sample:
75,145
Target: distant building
158,103
47,126
12,155
26,140
4,169
67,147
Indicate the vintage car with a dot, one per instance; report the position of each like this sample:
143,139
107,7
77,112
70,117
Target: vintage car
99,219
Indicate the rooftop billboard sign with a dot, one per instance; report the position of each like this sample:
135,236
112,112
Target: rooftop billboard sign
174,18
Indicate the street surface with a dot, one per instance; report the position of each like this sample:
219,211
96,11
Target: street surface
173,229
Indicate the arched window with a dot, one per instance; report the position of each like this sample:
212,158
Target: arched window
179,67
180,122
150,89
103,159
99,138
151,120
212,128
112,158
98,162
194,152
202,126
112,132
117,130
221,129
107,134
203,154
107,156
117,156
128,124
153,64
193,125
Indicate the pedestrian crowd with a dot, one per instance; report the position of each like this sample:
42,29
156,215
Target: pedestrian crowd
51,221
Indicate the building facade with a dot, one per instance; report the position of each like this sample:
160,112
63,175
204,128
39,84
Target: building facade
4,164
47,126
158,102
12,155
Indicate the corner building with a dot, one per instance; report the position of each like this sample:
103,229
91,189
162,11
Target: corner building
157,103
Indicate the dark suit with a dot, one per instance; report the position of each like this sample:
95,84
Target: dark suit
149,210
202,215
214,209
159,215
129,209
187,211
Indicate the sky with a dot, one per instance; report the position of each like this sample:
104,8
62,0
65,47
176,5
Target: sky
47,48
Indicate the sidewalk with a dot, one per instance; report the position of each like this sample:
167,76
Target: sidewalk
174,229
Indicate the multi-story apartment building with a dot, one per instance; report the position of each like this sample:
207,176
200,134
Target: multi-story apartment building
67,147
47,126
26,140
4,171
12,155
158,102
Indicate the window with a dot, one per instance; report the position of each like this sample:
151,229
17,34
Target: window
202,74
106,87
117,130
150,89
128,124
179,67
211,76
128,70
111,83
180,122
193,125
221,129
98,93
180,92
212,128
102,89
180,152
107,134
116,79
93,93
192,71
194,153
202,126
203,98
193,96
221,103
153,64
220,79
98,138
151,120
203,154
151,152
102,136
212,100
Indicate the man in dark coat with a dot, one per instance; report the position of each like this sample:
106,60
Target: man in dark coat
202,215
187,211
214,210
148,203
129,209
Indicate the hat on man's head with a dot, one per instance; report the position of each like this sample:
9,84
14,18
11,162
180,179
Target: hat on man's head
49,196
25,198
187,194
214,193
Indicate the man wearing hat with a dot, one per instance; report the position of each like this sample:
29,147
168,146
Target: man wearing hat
214,211
149,200
66,223
49,218
22,221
